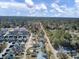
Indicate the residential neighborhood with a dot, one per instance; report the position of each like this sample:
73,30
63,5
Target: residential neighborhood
39,39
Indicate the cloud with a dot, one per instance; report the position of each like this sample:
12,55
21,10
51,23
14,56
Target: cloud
29,2
56,7
77,3
43,6
40,6
42,9
22,8
12,5
64,10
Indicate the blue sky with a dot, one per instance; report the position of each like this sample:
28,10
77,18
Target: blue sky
44,8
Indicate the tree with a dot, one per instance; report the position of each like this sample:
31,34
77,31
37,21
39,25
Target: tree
58,37
67,36
62,56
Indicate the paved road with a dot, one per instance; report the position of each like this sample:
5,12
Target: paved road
27,45
52,49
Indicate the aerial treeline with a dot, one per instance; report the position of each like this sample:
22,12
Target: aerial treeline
66,24
8,21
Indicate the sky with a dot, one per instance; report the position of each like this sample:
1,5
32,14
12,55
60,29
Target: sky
40,8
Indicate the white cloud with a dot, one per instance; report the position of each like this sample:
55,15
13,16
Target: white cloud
12,5
56,7
40,9
20,8
41,6
29,2
77,3
63,11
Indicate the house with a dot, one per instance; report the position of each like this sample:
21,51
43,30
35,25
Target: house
20,34
67,50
